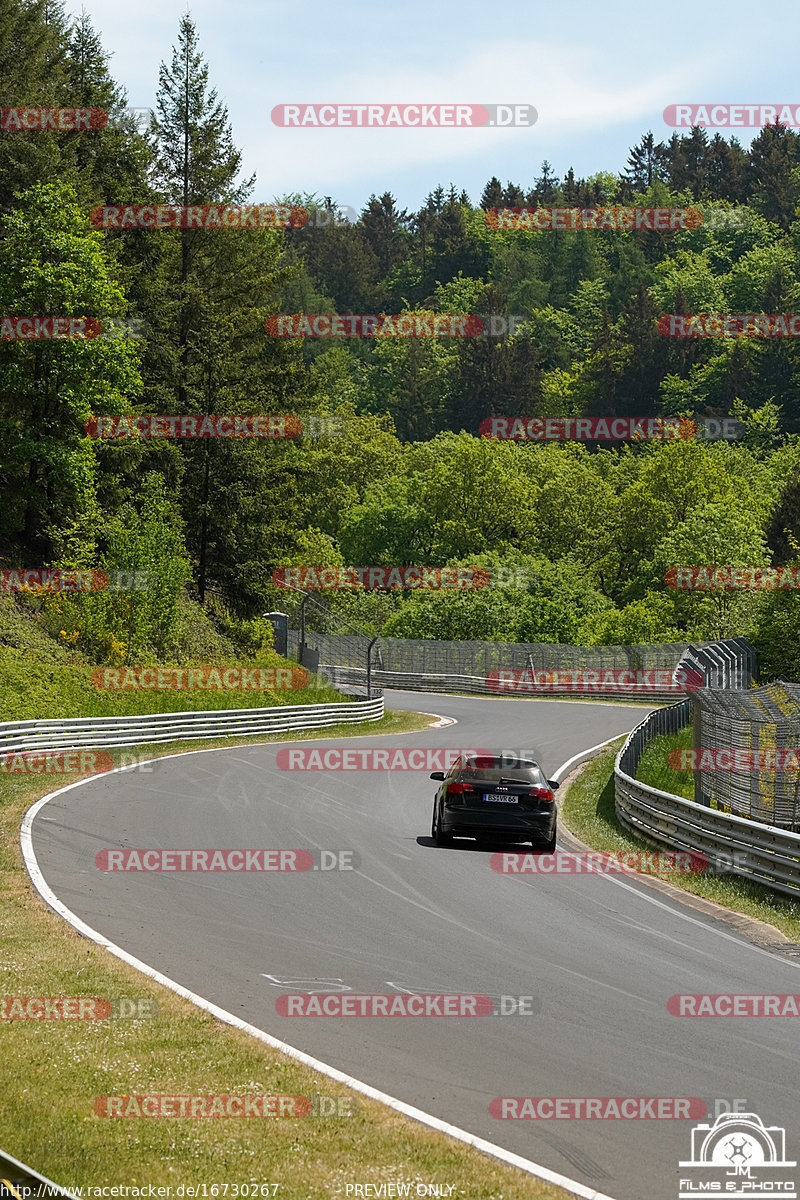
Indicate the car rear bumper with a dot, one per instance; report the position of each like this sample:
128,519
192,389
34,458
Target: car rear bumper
469,821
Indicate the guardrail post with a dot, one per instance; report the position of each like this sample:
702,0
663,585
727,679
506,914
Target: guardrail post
697,739
302,646
369,668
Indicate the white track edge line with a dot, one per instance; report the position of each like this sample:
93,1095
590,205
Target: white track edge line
29,1171
564,768
675,908
416,1114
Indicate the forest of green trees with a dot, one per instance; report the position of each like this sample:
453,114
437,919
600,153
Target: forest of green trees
578,537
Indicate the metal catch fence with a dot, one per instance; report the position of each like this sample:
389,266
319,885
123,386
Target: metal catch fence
763,726
429,665
750,849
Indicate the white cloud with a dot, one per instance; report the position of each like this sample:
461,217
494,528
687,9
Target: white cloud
598,75
572,89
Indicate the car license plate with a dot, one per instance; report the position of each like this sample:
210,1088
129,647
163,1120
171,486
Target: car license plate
500,798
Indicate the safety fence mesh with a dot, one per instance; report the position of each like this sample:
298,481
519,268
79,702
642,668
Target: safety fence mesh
473,666
764,726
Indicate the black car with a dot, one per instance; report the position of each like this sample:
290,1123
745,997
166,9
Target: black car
498,795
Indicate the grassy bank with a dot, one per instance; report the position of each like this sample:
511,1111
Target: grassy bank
54,1070
655,770
36,690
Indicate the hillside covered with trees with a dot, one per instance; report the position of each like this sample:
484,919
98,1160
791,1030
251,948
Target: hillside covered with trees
577,537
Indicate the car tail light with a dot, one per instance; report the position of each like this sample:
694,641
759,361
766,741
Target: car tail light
458,789
539,793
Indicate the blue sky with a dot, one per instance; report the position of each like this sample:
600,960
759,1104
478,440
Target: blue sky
599,74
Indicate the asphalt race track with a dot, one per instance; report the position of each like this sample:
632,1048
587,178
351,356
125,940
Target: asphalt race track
601,956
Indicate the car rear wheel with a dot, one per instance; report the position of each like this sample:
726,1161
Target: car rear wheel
550,845
440,838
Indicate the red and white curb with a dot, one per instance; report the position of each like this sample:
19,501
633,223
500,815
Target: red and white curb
440,722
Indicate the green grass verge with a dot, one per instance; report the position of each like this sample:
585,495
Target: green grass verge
52,1071
654,768
587,809
30,689
42,676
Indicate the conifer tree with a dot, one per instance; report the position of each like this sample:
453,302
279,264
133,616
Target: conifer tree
218,286
32,50
645,164
492,195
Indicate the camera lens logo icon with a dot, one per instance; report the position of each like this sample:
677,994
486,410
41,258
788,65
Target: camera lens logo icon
737,1155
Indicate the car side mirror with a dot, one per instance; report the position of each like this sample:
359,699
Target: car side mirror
553,784
437,775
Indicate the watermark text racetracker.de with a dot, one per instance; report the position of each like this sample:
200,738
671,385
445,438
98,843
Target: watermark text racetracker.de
599,681
39,580
608,429
732,578
204,679
407,324
610,219
73,120
422,758
184,860
119,426
198,216
402,116
736,758
69,762
224,1106
196,425
76,1008
629,862
724,116
752,325
70,329
763,1004
415,1004
319,578
597,1108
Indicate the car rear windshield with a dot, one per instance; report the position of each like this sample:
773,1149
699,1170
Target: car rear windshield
495,768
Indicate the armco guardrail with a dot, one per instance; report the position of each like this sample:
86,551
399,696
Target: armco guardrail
17,1180
171,727
750,849
473,685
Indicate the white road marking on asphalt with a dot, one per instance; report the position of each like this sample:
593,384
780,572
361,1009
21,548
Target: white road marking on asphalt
642,892
408,1110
